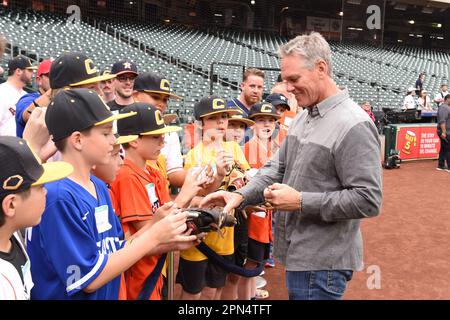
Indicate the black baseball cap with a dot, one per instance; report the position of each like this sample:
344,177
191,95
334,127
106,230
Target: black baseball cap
124,66
104,72
278,99
20,62
77,110
125,139
153,82
75,69
263,109
21,168
241,118
148,121
212,105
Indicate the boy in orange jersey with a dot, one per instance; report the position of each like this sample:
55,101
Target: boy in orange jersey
258,151
141,191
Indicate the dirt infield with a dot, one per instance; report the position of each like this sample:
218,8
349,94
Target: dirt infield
408,242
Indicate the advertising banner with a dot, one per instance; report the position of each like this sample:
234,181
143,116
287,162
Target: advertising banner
420,142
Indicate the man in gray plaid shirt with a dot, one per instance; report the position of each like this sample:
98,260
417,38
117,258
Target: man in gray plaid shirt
324,179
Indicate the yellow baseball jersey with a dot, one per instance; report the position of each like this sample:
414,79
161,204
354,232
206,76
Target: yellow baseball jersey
201,156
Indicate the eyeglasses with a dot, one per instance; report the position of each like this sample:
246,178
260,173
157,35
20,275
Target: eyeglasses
126,78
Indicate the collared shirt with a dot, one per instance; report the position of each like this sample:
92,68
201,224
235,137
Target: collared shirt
332,156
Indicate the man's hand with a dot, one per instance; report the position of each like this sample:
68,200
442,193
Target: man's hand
282,197
36,133
228,200
443,135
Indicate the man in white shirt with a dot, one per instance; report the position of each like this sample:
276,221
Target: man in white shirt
439,97
20,73
410,102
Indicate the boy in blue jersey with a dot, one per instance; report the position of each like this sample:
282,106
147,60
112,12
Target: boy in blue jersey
76,251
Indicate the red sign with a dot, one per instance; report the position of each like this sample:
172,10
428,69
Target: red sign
418,142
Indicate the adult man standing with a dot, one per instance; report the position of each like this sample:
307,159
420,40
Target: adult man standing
125,71
41,98
444,134
20,73
252,88
439,97
323,180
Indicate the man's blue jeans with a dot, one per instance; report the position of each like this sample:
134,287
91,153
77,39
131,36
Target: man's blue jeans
317,285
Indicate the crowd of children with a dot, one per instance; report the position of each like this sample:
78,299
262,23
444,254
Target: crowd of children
100,221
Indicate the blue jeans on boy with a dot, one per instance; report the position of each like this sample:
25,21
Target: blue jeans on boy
317,285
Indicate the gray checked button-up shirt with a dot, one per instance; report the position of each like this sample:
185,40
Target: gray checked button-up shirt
332,156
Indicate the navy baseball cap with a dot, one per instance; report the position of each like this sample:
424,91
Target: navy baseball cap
21,168
124,66
278,99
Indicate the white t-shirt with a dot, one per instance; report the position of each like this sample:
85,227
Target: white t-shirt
11,285
424,105
409,102
172,152
440,96
8,99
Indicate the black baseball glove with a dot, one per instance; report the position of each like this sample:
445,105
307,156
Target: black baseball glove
206,220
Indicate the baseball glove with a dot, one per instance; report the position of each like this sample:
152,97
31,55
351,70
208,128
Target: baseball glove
235,178
206,220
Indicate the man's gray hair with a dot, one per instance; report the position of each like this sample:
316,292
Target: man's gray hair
311,47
